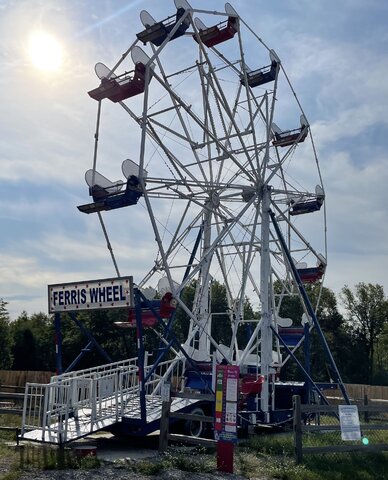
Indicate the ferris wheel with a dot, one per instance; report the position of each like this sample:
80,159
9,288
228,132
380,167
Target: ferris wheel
223,162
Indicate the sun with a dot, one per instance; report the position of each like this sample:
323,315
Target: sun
45,51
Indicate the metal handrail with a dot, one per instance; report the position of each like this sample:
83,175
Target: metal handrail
101,391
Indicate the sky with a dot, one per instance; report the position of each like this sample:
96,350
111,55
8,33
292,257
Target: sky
335,53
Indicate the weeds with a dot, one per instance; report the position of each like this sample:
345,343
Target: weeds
89,462
12,422
281,444
267,456
353,466
194,462
282,467
13,475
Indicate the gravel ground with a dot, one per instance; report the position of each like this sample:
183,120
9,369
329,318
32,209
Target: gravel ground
117,460
121,473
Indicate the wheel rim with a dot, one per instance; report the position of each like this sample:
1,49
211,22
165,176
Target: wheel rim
210,157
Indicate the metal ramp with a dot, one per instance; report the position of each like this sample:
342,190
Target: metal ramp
77,404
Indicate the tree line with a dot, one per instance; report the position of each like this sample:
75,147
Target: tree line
355,326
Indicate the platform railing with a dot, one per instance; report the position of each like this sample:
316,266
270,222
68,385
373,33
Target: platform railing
89,372
76,403
170,371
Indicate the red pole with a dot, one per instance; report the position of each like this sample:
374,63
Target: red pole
225,452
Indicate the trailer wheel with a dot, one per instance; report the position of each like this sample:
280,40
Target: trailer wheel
194,428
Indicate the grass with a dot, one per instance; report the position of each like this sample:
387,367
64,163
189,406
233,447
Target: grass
9,421
273,455
267,456
349,466
196,461
15,460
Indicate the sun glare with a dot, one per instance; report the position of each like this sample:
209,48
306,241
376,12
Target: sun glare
45,51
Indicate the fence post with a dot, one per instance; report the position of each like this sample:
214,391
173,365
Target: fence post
164,426
366,413
297,427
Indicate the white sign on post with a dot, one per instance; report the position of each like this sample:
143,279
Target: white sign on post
165,392
90,295
350,422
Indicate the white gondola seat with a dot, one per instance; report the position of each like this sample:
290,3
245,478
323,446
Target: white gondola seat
211,36
162,307
216,34
109,195
301,207
291,336
121,87
262,75
290,137
148,318
312,274
157,32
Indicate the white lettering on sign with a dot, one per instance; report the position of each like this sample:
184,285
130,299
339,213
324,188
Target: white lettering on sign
94,294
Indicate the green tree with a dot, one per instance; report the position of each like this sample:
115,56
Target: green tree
5,337
221,328
33,342
367,314
381,375
101,324
182,321
332,325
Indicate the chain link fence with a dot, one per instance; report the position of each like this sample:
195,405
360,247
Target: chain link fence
317,429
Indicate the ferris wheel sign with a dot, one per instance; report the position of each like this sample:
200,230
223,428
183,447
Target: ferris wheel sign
90,295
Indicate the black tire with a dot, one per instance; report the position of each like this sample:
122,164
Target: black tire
194,428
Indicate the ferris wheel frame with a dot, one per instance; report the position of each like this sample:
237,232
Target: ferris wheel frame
256,160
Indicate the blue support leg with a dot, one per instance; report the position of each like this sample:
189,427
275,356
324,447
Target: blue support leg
90,337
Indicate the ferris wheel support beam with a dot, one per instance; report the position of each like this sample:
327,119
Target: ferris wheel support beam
142,183
219,238
183,125
96,138
253,242
219,95
263,168
249,104
189,111
266,314
206,258
246,264
204,318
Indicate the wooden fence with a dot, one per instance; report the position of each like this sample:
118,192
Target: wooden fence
372,392
19,378
359,394
12,386
166,436
301,427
